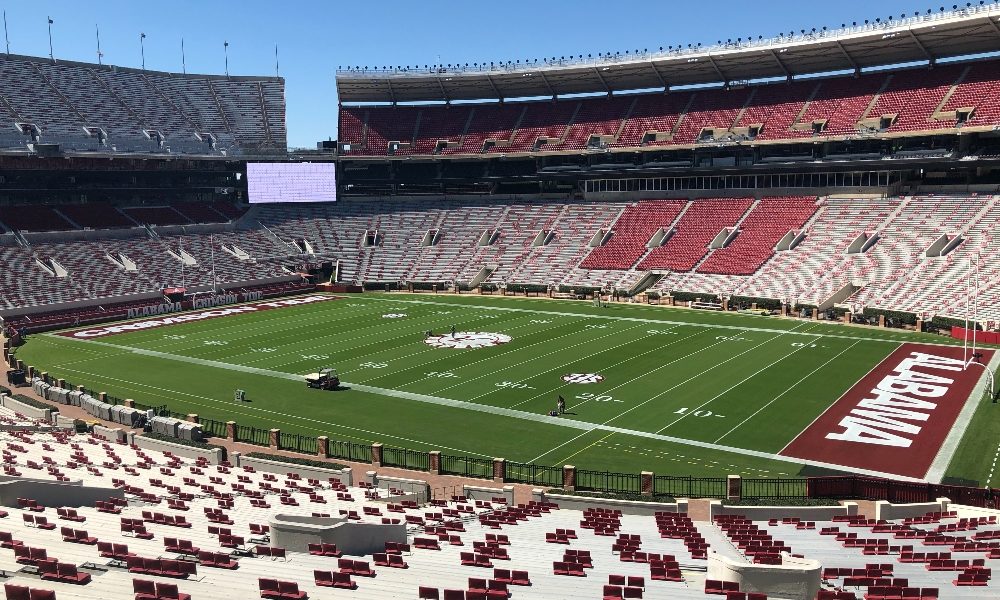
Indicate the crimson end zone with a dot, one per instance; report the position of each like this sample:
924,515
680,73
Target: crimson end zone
897,417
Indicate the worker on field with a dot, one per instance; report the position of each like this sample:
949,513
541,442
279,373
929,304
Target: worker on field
452,331
561,405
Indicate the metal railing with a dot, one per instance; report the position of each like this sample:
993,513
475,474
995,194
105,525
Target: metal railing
253,435
889,26
405,459
466,466
690,487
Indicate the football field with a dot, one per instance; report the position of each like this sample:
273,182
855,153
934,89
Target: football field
674,391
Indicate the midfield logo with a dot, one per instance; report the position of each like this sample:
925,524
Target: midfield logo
467,340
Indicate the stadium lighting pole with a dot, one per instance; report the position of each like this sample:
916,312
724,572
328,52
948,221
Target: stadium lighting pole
225,49
51,55
183,59
99,53
142,49
5,36
275,61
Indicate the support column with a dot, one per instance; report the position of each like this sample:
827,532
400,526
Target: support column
434,461
725,304
61,383
103,397
129,403
646,483
274,439
323,447
499,470
920,325
734,488
815,313
784,310
377,454
193,418
231,431
847,318
881,320
569,478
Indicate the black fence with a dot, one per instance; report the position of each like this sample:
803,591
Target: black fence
778,489
350,451
405,459
252,435
607,481
213,428
851,487
690,487
297,443
542,475
467,466
872,488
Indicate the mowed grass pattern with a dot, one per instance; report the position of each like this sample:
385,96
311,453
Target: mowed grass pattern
734,381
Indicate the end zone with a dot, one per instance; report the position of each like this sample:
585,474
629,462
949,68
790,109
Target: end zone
897,417
201,315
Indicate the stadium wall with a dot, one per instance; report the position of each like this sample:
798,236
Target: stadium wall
71,494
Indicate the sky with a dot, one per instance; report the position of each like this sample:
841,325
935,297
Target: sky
314,37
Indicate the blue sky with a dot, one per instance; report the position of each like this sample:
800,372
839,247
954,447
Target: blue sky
315,37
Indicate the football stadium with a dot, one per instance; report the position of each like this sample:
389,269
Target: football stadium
710,319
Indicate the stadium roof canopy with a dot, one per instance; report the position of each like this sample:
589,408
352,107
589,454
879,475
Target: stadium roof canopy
925,38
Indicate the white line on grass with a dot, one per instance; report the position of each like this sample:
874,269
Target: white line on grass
506,412
782,394
993,467
670,389
943,459
667,322
729,389
446,356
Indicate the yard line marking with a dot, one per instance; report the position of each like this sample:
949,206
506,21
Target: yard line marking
790,388
563,366
943,459
447,355
495,410
670,389
993,467
668,322
730,388
834,403
228,407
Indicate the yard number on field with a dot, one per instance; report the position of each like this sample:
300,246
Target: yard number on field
513,385
730,339
315,356
598,397
374,365
441,374
697,413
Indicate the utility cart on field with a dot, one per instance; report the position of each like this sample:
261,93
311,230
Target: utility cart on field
325,379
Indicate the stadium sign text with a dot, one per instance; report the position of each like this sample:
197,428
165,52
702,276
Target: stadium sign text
194,316
896,419
887,416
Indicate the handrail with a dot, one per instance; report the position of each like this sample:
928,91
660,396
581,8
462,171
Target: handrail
780,41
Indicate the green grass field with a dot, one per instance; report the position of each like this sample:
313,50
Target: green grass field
683,392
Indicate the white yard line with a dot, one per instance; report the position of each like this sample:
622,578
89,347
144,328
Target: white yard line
666,322
782,394
957,431
729,389
506,412
834,403
993,468
670,389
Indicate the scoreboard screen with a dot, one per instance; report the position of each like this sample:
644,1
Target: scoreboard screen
291,182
